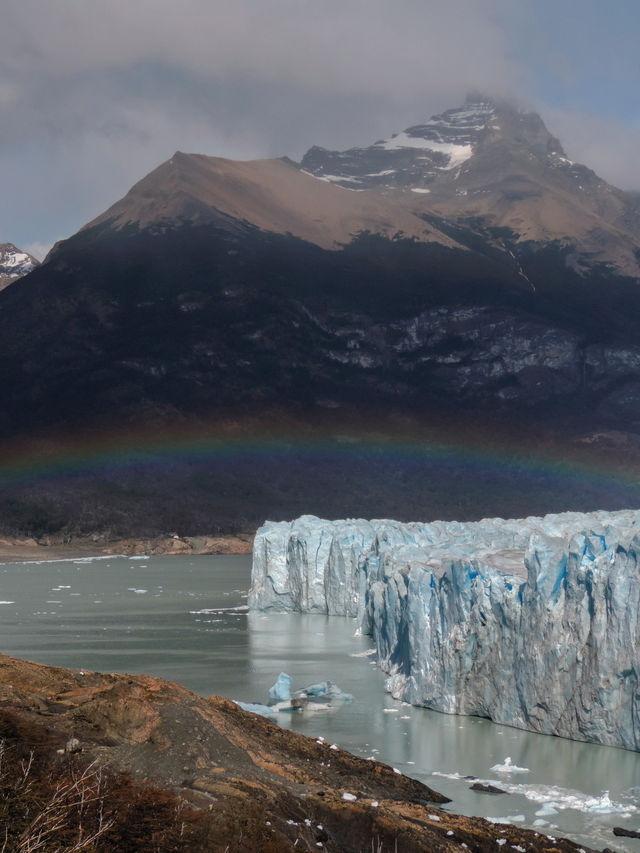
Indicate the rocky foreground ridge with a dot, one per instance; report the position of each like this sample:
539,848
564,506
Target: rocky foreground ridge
236,781
530,622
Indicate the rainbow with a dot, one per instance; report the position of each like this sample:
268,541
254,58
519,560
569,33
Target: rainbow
447,447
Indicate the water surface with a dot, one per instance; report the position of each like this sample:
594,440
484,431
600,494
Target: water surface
185,619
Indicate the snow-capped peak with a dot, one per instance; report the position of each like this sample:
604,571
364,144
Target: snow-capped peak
414,157
14,263
451,134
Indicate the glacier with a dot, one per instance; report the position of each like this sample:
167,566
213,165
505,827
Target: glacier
531,622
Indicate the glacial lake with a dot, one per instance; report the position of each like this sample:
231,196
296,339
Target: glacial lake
185,619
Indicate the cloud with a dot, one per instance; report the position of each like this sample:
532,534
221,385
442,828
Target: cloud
343,46
94,95
607,146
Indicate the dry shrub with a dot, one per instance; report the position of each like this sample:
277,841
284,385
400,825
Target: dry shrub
52,803
65,803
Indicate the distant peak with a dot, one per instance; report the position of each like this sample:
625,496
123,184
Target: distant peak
431,154
476,98
14,264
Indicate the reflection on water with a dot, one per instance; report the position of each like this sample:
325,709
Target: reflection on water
184,619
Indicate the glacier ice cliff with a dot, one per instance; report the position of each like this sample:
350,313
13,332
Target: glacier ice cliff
530,622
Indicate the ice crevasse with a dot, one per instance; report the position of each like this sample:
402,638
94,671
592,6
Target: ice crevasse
530,622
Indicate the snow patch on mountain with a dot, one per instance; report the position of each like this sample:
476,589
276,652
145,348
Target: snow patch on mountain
456,154
412,157
14,264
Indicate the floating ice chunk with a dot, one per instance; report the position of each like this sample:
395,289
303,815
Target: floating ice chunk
602,804
509,767
281,690
241,608
455,775
515,818
325,690
366,654
257,708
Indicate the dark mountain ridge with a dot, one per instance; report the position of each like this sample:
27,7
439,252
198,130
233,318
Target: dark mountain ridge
475,274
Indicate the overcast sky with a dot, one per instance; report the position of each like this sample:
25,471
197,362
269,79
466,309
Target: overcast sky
95,93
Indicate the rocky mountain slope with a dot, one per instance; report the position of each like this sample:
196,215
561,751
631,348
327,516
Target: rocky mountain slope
491,162
238,782
14,264
273,196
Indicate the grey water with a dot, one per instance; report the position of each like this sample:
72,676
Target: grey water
185,619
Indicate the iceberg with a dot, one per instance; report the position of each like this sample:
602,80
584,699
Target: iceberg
320,696
533,623
509,767
257,708
281,690
324,690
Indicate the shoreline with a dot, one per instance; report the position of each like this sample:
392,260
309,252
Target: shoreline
16,549
241,777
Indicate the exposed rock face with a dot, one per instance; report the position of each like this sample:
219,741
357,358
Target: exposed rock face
14,264
492,161
531,622
264,788
430,153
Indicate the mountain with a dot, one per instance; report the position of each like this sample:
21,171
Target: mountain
489,161
464,261
461,271
14,264
273,196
